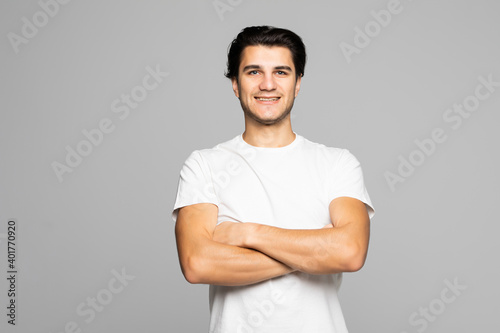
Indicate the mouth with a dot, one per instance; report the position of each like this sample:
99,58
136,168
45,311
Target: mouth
267,99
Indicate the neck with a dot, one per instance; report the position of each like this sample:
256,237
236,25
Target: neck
268,136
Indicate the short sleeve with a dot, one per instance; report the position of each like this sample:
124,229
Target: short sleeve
346,180
195,184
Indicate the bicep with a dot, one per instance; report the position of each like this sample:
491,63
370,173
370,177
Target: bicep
345,210
194,227
195,221
352,215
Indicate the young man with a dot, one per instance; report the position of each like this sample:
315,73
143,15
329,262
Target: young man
270,219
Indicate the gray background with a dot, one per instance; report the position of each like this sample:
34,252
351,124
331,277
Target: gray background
113,211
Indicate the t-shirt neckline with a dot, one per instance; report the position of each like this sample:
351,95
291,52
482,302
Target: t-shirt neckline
287,147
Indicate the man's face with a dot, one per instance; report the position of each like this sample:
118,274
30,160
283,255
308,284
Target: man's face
267,84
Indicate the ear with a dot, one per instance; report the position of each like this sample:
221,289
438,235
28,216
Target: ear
297,85
234,82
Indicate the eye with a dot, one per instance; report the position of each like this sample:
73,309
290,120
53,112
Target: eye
253,72
281,73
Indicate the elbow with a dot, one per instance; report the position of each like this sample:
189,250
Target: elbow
354,265
351,260
191,276
354,259
192,269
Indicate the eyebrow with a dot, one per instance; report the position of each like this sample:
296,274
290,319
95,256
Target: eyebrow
246,68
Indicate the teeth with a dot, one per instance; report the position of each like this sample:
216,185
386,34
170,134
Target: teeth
267,99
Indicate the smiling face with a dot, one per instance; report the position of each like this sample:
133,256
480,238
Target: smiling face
267,83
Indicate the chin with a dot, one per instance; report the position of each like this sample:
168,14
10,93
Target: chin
271,120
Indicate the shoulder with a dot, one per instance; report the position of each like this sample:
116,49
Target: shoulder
217,152
332,154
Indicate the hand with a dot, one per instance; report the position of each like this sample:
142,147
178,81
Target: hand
231,233
329,225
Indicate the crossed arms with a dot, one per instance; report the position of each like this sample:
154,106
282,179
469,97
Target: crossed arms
233,254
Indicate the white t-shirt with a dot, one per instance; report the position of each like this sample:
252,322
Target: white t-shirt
288,187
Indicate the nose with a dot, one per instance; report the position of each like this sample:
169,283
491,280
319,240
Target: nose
268,82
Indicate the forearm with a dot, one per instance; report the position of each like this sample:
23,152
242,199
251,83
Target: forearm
221,264
338,247
208,261
317,251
